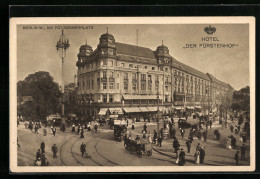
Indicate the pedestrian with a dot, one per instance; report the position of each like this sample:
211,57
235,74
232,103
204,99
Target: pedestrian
145,128
243,152
154,136
160,139
144,134
150,138
231,128
54,131
205,136
210,123
133,124
238,128
237,157
199,135
36,129
175,144
182,158
44,131
188,143
202,154
82,133
173,133
126,122
233,142
178,155
73,128
197,157
198,147
43,146
38,154
182,133
54,150
83,149
38,162
78,128
43,161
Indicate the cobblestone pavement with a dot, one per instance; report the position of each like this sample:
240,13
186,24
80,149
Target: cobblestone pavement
103,150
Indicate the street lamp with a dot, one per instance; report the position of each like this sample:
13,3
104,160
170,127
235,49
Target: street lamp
62,46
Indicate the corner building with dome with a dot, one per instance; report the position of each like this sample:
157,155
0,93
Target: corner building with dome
118,78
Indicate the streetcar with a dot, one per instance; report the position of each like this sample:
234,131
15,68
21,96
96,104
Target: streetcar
119,129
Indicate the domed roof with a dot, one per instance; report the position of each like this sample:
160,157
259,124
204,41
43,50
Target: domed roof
86,46
107,36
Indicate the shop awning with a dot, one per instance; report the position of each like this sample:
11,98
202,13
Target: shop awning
102,111
113,116
144,109
132,110
116,110
178,108
190,107
152,109
142,97
198,107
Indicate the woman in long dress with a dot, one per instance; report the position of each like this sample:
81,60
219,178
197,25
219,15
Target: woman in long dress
197,157
177,156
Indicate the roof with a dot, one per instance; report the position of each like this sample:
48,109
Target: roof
215,80
189,69
134,50
146,97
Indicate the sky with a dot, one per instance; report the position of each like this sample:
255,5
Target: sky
36,48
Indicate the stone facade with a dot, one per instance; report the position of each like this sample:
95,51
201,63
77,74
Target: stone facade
121,75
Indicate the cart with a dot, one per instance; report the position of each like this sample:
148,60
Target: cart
140,147
119,129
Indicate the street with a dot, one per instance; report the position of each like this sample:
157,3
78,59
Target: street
103,150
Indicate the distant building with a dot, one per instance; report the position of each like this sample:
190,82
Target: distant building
129,78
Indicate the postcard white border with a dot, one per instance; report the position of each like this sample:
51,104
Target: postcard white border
126,20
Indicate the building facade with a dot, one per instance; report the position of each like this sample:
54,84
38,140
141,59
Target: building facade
136,79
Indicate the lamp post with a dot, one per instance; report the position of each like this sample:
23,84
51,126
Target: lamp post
62,46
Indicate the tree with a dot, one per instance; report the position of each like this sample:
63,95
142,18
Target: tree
44,92
70,96
226,103
241,99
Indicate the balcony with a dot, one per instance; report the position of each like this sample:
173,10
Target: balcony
167,83
102,79
111,79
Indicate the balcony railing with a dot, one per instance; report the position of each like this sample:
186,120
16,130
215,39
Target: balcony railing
134,80
111,79
102,79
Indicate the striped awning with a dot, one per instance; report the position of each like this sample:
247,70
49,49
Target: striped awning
190,107
152,109
144,109
116,110
132,110
102,111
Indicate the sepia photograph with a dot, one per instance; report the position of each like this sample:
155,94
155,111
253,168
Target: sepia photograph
132,94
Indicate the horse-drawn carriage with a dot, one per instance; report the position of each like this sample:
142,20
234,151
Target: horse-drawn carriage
139,146
119,129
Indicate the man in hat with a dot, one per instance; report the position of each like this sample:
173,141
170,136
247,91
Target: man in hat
202,154
188,143
38,154
43,146
236,157
82,149
54,150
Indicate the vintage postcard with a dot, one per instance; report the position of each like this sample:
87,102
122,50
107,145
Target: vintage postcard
132,94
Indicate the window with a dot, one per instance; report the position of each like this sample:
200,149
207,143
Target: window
166,88
118,75
104,85
111,74
111,85
92,84
130,65
145,67
104,62
134,76
156,88
150,78
123,64
111,63
117,85
110,98
134,86
125,86
167,78
150,87
104,74
161,68
166,98
143,86
125,75
166,69
153,68
104,98
157,78
143,77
